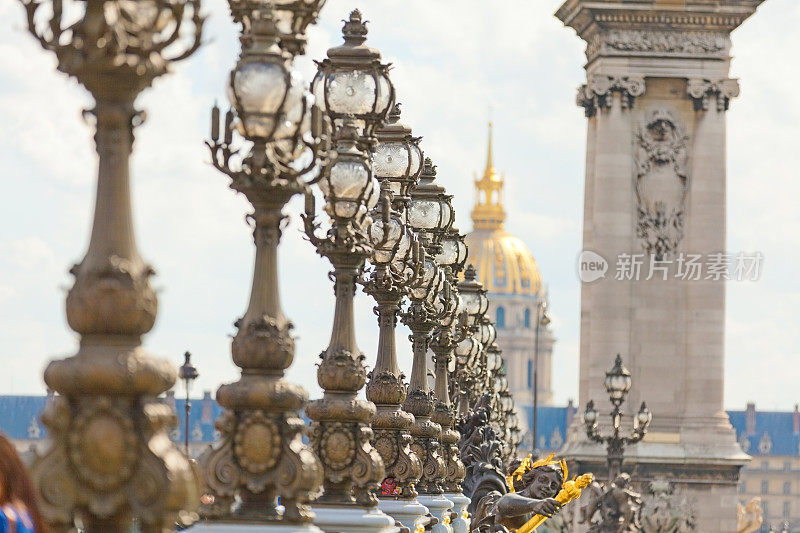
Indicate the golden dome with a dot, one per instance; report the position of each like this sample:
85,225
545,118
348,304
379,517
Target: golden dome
503,262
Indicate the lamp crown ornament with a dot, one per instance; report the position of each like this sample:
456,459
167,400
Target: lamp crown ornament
355,30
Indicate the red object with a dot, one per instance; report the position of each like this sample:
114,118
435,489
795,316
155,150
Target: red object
389,487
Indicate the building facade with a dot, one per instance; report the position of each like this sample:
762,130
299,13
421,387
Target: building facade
517,297
772,439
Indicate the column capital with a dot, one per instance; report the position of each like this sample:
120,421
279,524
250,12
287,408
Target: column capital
598,91
700,91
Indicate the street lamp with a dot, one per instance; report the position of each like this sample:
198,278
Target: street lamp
395,264
542,319
352,88
618,383
257,146
187,373
102,467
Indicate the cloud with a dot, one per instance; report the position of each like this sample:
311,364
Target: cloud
452,62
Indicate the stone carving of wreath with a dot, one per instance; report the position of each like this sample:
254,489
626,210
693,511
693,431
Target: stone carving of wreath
662,183
102,445
387,447
337,447
257,442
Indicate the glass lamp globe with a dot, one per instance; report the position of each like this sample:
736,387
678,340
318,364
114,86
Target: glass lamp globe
618,380
420,289
453,250
353,81
590,415
390,240
644,416
466,350
430,210
398,158
349,187
270,97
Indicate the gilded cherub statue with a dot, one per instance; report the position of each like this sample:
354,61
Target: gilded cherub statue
538,490
751,516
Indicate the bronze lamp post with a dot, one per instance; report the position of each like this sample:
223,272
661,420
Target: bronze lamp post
618,383
396,259
187,373
110,460
446,336
430,213
353,89
260,455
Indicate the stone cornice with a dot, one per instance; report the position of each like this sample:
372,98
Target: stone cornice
588,17
618,42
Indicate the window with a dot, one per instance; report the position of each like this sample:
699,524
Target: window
530,374
500,318
787,466
765,487
764,465
786,510
765,508
742,486
787,487
527,318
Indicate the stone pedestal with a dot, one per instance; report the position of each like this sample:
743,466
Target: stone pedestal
461,521
656,96
407,512
353,519
440,507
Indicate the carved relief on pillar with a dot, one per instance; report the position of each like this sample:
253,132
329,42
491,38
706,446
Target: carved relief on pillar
598,92
639,42
701,90
660,157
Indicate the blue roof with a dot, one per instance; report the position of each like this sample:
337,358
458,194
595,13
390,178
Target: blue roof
19,418
551,426
773,432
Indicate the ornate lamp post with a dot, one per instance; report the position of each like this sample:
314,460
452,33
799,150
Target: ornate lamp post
261,454
542,320
468,351
396,262
353,88
110,460
431,215
187,373
618,383
447,334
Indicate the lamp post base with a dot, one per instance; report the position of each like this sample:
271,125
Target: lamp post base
440,507
352,519
461,522
408,512
240,527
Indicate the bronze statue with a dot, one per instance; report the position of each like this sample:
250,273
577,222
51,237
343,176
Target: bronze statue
615,509
534,486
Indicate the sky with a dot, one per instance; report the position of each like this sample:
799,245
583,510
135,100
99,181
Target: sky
455,63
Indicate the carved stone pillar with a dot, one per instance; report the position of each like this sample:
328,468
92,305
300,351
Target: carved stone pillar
654,196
